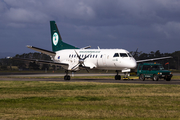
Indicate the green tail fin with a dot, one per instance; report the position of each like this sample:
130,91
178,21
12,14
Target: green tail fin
57,43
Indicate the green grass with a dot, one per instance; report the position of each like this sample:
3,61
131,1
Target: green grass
82,101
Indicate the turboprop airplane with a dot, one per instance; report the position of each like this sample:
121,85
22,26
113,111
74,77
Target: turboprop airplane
73,59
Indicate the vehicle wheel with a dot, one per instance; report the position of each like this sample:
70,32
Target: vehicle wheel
141,77
155,78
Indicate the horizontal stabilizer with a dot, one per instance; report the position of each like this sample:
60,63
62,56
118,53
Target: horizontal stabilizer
153,59
50,53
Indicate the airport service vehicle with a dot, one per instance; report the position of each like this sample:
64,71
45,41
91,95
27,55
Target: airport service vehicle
154,71
73,59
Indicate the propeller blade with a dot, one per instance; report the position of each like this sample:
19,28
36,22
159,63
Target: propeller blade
81,62
74,66
86,57
86,68
77,55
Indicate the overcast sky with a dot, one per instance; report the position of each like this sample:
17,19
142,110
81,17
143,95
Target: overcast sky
149,25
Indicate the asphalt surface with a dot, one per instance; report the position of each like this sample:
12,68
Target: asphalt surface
135,81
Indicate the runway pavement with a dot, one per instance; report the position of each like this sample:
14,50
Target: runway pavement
135,81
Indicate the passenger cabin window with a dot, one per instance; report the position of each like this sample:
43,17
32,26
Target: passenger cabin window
123,55
116,55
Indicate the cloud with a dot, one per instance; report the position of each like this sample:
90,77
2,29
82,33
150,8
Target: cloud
94,12
24,15
120,22
169,30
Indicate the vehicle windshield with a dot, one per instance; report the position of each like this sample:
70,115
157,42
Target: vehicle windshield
161,67
157,67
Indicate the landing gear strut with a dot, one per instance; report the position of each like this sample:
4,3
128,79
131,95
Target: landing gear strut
67,77
117,77
125,76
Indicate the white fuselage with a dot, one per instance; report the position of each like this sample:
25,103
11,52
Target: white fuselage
108,59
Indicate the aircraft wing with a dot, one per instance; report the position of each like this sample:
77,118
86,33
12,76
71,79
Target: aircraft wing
153,59
42,61
50,53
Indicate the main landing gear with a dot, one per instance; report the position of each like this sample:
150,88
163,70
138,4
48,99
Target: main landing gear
67,77
117,77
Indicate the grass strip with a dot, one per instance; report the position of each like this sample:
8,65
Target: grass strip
82,100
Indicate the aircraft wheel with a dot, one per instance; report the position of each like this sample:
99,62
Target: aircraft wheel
67,77
155,78
141,77
117,77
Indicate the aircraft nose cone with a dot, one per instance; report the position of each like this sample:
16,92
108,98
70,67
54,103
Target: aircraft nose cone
132,64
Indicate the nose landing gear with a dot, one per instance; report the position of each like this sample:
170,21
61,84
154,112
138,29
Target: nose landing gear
126,76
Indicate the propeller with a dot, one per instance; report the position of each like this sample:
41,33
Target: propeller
81,61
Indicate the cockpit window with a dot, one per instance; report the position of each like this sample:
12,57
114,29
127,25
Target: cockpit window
123,55
129,55
116,55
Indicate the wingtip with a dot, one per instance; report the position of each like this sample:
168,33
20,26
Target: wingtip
28,46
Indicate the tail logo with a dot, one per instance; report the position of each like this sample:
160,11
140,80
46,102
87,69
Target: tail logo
55,38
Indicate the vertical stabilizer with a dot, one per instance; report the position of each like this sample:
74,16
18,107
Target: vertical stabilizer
57,43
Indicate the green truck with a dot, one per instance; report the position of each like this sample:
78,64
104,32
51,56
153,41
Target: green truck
153,71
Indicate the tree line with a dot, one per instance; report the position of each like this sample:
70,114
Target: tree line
6,63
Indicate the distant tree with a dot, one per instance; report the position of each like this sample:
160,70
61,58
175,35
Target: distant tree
45,67
151,54
143,56
33,66
157,54
173,63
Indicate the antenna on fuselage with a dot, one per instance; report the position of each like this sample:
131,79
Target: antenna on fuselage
86,47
